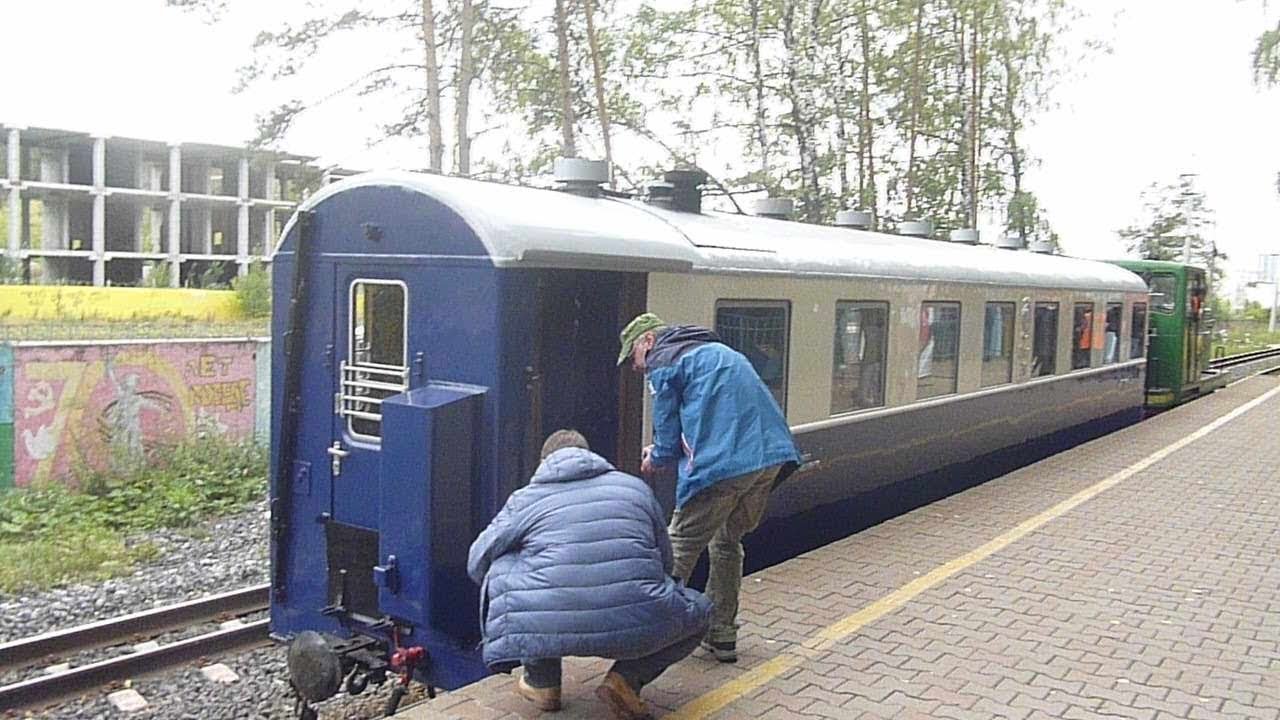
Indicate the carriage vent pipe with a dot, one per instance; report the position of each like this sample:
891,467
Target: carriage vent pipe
854,219
581,177
1009,242
916,228
776,208
964,236
1041,245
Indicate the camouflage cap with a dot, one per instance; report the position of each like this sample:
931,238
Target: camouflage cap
643,323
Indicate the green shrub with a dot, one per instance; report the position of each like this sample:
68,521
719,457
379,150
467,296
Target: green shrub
253,291
211,277
161,275
10,270
51,535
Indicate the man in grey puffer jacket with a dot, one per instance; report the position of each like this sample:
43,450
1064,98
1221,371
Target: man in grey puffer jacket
578,563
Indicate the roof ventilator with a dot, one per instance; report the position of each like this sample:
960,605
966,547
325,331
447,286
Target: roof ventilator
776,208
581,177
686,189
964,236
853,219
916,228
1041,245
1009,242
660,193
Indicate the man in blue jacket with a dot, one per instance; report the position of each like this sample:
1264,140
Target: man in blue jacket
717,421
578,563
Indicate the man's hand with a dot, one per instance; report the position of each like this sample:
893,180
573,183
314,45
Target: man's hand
646,463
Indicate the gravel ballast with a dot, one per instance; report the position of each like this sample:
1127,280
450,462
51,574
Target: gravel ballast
221,555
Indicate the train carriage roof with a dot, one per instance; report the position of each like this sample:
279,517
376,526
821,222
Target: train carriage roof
531,227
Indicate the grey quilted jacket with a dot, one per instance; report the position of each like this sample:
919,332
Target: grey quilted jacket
578,562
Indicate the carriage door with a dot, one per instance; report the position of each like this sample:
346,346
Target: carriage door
372,353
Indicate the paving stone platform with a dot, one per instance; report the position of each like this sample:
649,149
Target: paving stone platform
1135,576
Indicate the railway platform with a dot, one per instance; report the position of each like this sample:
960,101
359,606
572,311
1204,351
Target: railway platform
1134,576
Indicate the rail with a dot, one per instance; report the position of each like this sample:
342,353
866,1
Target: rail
1230,361
52,687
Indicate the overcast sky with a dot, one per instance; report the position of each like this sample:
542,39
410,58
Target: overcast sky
1174,95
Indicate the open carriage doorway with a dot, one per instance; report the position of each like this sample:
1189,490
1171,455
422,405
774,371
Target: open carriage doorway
575,381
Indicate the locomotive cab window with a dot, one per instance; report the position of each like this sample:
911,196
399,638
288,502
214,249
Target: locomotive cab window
939,359
997,344
759,330
1044,341
861,344
376,366
1164,293
1137,331
1082,336
1111,341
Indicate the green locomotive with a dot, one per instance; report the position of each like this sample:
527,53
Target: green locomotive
1180,332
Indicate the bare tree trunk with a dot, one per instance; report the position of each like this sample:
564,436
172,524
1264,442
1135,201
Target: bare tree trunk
842,133
801,117
434,134
595,66
466,72
1015,154
569,149
975,120
813,213
868,195
962,102
913,124
762,137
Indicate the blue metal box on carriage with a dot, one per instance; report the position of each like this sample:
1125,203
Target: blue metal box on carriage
430,331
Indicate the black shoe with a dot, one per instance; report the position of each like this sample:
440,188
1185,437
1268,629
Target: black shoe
725,652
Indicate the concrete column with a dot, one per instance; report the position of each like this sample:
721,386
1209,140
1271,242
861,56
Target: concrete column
268,231
15,155
174,238
270,188
206,229
99,211
242,220
15,193
269,182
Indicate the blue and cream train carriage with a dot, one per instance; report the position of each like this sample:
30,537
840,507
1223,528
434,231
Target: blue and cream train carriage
430,331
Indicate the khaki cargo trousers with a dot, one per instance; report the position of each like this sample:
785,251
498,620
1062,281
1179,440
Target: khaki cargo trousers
717,519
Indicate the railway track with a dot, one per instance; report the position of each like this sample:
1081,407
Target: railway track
49,688
1232,361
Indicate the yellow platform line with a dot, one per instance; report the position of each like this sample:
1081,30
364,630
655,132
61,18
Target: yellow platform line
718,698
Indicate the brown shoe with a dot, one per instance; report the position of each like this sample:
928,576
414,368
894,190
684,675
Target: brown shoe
545,699
621,700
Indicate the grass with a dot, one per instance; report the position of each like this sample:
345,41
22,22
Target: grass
132,329
51,535
1245,337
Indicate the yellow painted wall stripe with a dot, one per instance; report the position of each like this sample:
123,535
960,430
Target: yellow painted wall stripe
20,303
720,697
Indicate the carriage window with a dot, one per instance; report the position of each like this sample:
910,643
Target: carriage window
1111,342
375,367
1082,336
1138,331
997,344
939,349
758,330
1044,341
861,344
1164,293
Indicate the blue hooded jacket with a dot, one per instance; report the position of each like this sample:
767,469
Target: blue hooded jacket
578,563
711,412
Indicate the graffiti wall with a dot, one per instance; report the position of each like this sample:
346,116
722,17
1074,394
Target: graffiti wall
93,404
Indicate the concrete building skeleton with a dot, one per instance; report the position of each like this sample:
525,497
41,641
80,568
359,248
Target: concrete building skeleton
87,209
